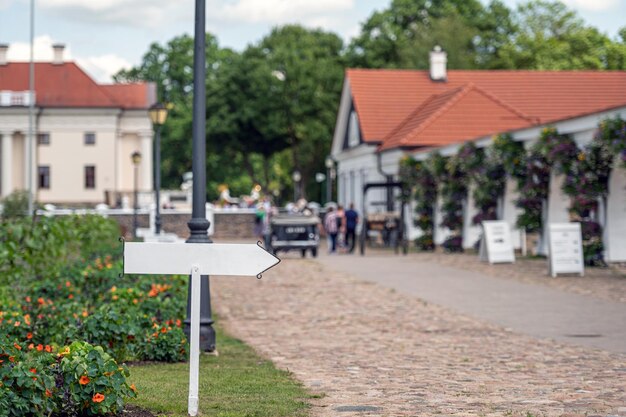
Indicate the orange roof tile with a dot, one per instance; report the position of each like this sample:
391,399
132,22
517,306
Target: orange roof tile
384,99
67,85
459,113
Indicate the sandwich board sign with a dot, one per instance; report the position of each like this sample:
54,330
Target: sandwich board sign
496,245
196,259
565,249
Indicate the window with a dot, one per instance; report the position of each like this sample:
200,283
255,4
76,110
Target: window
44,177
354,135
90,177
43,139
90,138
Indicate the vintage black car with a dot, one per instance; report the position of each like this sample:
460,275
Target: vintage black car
295,232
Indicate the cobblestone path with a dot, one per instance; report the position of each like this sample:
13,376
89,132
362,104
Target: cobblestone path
374,352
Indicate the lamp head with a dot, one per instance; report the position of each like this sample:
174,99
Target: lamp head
158,114
136,158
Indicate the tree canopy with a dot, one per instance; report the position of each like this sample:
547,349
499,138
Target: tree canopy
271,108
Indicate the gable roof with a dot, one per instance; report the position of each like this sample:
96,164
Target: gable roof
463,112
67,85
384,99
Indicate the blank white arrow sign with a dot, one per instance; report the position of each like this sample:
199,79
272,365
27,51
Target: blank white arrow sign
211,259
196,259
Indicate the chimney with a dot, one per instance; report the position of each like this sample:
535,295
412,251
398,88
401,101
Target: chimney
58,48
3,53
438,61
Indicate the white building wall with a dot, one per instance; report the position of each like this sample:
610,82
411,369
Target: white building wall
558,201
510,211
117,133
615,228
471,232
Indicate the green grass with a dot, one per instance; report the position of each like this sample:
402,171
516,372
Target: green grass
237,383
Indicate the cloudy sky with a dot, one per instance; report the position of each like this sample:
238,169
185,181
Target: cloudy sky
104,36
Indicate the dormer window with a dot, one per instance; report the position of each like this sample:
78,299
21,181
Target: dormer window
354,134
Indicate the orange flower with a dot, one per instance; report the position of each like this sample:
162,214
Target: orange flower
48,348
178,322
33,370
115,297
29,335
70,296
65,351
98,398
11,358
133,387
27,319
17,324
16,346
40,301
84,313
31,346
84,380
163,330
68,284
48,393
27,299
39,347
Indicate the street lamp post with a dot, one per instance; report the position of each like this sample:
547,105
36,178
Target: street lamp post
136,159
319,178
296,177
199,225
158,115
329,184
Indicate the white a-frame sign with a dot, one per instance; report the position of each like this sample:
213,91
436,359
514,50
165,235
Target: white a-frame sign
196,259
496,245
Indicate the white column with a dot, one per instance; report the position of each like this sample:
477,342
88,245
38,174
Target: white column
7,163
471,232
146,161
615,223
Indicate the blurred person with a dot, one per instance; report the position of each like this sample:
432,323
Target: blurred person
341,227
330,225
351,221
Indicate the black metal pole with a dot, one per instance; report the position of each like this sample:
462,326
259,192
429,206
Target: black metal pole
329,185
199,225
135,198
157,180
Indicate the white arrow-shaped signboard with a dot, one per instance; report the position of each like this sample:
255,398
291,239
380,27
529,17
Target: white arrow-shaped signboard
211,259
196,259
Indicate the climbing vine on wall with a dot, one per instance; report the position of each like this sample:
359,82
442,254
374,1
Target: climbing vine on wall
535,185
453,191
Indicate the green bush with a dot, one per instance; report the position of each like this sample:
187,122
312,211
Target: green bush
15,205
165,343
60,286
79,379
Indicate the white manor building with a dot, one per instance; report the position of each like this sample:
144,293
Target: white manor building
385,115
85,133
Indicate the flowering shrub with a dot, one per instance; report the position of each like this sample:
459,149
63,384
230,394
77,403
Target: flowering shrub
79,379
165,343
49,325
418,176
534,189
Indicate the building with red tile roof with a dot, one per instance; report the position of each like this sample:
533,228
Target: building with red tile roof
85,132
385,115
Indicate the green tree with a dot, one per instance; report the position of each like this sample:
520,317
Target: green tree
295,77
170,67
402,35
552,37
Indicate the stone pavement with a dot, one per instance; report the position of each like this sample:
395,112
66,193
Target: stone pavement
533,308
374,351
